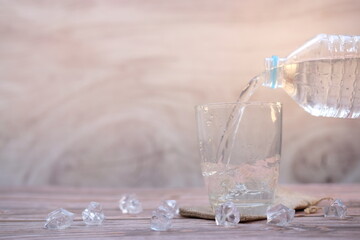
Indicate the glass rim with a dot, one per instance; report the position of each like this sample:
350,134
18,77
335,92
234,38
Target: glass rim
253,103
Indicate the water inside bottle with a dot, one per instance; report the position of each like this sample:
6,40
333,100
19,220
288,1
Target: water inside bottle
325,87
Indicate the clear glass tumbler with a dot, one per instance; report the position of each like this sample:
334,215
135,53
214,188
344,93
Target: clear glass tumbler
240,164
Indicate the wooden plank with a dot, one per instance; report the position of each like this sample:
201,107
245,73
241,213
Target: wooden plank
22,213
189,229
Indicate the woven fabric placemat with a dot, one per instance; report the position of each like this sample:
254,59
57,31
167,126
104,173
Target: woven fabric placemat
289,198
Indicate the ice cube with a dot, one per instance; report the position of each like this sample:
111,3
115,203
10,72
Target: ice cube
170,207
130,204
239,190
279,215
336,209
227,214
160,221
93,214
59,219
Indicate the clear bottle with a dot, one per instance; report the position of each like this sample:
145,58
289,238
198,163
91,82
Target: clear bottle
322,76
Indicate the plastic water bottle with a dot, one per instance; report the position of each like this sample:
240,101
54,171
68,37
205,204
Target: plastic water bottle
322,76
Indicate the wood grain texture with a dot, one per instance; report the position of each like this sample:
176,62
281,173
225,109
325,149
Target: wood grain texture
101,93
23,209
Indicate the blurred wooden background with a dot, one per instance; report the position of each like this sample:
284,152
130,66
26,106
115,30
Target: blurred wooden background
102,93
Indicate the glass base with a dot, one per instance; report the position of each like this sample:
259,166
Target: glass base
250,209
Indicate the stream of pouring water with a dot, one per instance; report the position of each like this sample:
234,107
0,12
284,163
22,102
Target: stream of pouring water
228,138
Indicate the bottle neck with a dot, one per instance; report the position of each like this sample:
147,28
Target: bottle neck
273,72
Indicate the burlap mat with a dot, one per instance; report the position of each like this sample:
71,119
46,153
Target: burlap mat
291,199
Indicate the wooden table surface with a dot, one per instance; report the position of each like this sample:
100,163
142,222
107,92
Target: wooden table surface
23,210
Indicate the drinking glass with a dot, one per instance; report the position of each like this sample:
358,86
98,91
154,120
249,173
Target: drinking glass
240,145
